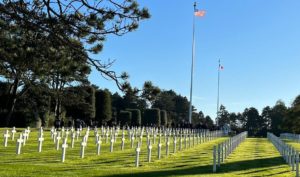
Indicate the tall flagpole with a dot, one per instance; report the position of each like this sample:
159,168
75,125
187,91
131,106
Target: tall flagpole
192,69
218,97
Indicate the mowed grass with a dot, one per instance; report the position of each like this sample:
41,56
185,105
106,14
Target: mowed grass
254,157
294,144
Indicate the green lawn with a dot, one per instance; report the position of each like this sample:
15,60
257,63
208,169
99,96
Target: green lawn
254,157
295,144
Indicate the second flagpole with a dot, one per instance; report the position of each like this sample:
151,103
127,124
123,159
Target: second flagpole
218,96
192,68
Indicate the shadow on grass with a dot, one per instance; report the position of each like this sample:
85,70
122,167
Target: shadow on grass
207,169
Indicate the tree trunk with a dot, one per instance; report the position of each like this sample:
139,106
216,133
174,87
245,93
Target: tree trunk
38,121
12,102
57,108
11,111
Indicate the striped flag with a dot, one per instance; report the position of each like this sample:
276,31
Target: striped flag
199,13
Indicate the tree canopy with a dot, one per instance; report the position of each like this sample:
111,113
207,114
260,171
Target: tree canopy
87,21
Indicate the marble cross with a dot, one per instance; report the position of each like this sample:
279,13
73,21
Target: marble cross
6,136
19,144
13,133
83,145
40,139
64,147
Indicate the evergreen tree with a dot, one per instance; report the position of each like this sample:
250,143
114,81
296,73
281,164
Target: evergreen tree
152,117
267,119
223,116
136,118
103,107
150,92
81,103
252,118
279,111
209,122
291,122
65,67
21,56
125,118
88,21
163,118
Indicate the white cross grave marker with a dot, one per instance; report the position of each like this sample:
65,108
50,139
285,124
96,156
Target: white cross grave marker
132,141
67,133
52,131
40,139
123,142
96,137
167,146
112,144
137,159
25,135
83,145
159,149
77,134
64,147
19,144
54,136
73,139
28,132
174,143
149,151
6,136
99,142
62,131
41,132
57,141
13,133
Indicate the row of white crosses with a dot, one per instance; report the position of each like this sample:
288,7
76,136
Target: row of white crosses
175,133
40,139
56,135
289,153
138,133
63,134
135,135
21,141
24,136
7,135
224,149
290,136
84,142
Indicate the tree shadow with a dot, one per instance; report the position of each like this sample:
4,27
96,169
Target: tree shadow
207,169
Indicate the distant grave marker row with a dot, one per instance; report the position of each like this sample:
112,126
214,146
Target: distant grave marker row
224,149
289,153
290,136
188,137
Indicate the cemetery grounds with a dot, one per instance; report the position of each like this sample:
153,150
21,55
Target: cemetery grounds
253,157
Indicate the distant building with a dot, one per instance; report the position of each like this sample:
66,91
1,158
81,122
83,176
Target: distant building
226,129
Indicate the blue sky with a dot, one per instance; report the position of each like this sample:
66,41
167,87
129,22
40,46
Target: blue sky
257,41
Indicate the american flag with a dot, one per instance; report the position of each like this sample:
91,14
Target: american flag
199,13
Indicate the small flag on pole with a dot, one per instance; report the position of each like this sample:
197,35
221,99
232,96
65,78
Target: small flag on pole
199,13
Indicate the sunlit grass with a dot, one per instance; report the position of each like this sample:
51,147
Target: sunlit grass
254,157
295,144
